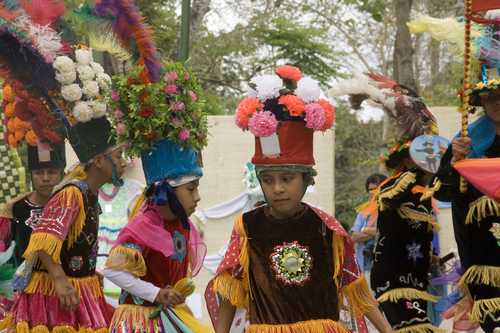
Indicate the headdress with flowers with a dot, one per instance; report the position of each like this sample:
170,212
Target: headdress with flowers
145,112
283,96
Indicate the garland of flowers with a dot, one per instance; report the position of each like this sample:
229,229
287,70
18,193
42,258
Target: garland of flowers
398,147
285,95
172,108
83,85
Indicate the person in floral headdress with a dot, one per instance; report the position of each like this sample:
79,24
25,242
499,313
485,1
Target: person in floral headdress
402,253
289,264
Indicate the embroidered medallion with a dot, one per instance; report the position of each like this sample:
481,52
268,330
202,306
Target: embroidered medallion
495,231
179,246
75,263
414,252
291,263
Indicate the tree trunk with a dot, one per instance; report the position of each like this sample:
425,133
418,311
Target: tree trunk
403,48
199,8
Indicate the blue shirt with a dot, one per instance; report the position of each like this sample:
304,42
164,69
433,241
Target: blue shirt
361,222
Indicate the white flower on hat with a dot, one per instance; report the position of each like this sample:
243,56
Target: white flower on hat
90,88
64,64
97,67
104,81
85,72
82,112
71,92
66,77
267,86
308,90
99,109
83,57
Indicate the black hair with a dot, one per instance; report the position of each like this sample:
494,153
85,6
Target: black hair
375,178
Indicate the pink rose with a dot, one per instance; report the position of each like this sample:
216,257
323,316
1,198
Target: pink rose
186,76
115,96
118,114
315,116
263,123
178,106
193,96
171,77
170,89
183,134
120,128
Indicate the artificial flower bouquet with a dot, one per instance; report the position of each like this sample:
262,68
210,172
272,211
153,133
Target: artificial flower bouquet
283,96
84,85
145,112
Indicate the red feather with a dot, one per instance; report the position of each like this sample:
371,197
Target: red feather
43,12
383,81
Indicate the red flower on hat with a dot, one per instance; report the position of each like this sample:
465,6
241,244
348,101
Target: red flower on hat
246,109
288,72
146,111
294,105
329,114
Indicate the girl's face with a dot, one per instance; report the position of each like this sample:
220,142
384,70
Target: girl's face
491,105
188,196
283,191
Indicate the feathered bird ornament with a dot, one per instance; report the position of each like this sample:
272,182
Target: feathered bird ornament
398,102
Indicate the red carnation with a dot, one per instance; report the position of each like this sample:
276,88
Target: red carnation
146,111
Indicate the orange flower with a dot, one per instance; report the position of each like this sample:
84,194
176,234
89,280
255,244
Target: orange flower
288,72
31,138
9,109
8,93
294,105
329,114
12,141
19,135
246,109
11,125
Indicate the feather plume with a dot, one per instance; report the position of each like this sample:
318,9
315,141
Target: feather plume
398,102
43,12
134,34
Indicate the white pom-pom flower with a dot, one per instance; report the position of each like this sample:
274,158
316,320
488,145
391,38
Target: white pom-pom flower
82,112
99,109
90,88
66,77
267,86
308,90
98,69
104,81
71,92
64,64
83,57
85,72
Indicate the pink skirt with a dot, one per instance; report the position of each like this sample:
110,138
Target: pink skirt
39,307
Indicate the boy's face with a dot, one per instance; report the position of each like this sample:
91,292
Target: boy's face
491,105
283,190
45,179
117,157
188,196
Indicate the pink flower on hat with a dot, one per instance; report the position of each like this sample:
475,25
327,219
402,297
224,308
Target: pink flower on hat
115,96
315,116
171,77
183,134
120,128
263,123
193,96
118,114
170,89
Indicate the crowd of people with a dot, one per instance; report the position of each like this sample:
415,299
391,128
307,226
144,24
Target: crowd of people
291,266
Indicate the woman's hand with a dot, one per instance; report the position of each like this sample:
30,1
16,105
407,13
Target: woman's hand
67,294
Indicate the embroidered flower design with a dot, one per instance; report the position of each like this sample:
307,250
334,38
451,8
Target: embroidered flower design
495,231
179,246
414,252
291,263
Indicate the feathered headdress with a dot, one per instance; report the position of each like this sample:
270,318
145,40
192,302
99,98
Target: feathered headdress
398,102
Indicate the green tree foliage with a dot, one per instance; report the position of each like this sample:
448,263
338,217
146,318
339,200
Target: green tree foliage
357,147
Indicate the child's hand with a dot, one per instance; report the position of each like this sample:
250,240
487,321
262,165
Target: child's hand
169,297
67,294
